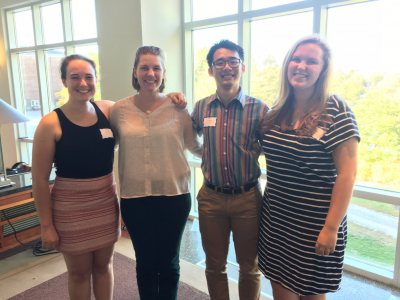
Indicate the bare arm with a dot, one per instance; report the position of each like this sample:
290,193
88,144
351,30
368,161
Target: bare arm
345,158
42,161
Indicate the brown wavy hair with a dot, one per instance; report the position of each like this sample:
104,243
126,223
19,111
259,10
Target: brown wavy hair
148,50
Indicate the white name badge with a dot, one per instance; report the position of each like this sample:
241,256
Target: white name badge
210,121
106,133
319,133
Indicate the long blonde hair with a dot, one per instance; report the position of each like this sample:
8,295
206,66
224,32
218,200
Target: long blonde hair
282,109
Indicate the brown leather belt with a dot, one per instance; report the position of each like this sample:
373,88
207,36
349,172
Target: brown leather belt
231,190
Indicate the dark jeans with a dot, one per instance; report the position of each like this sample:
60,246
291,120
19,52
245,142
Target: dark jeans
155,225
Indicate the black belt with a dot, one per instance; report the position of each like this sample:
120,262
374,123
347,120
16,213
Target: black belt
231,190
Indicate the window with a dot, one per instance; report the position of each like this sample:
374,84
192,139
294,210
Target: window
267,53
368,77
205,9
83,23
52,24
203,39
40,36
365,43
23,28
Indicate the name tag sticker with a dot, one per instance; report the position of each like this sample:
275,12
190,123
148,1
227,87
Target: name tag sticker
106,133
210,121
319,133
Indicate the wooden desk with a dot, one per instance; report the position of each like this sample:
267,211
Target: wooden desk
18,209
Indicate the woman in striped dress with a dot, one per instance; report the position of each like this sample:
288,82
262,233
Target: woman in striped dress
310,145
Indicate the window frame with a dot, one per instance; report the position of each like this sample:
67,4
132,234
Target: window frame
39,48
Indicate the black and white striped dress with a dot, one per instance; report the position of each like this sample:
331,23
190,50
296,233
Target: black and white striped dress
300,177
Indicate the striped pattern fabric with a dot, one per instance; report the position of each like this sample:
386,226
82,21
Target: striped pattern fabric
85,213
230,139
300,177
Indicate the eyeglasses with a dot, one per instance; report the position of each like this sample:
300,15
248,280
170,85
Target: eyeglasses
233,62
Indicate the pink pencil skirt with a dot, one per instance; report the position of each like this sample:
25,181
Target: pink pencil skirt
86,213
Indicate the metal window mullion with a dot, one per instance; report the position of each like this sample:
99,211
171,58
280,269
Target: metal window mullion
214,22
377,195
396,275
241,41
188,63
67,20
18,91
37,25
40,60
187,8
322,25
17,80
55,45
41,65
10,29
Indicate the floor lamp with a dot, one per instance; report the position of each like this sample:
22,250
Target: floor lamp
8,114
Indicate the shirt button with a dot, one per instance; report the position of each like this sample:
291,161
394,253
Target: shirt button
224,124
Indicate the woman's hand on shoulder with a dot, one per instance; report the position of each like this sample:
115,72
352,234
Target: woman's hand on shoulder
178,99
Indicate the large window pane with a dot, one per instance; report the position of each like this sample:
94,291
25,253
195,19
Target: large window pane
52,23
24,36
83,19
56,88
205,9
203,39
29,86
372,228
365,43
267,53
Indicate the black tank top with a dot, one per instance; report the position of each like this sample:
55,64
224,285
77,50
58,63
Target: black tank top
84,152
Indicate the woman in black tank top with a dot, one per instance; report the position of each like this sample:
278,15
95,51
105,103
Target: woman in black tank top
80,215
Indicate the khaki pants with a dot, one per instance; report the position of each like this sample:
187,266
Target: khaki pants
219,215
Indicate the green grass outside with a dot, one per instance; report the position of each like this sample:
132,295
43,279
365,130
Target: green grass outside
371,246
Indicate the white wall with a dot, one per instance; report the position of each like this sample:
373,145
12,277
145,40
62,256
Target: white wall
119,35
123,26
162,27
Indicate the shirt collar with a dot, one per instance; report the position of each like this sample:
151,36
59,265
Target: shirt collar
241,97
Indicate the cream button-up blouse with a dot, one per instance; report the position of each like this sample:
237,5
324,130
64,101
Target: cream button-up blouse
151,158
